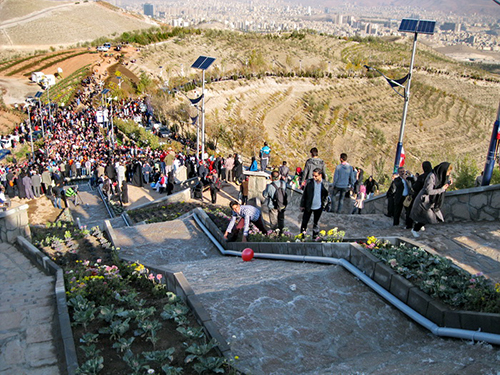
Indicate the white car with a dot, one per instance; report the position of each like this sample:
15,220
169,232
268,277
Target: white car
102,49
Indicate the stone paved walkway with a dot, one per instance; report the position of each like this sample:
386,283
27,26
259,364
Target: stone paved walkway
28,344
91,212
300,318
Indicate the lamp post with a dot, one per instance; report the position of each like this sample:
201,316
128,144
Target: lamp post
203,63
414,26
110,103
48,99
28,104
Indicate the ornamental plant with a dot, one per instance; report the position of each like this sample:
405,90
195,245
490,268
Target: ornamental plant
438,276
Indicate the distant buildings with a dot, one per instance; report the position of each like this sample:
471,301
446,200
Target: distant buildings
149,10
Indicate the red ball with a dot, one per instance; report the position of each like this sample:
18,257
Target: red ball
247,254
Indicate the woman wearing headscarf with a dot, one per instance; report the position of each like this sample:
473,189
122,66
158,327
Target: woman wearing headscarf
428,203
415,189
253,165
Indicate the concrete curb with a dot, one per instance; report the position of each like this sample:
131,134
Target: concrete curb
183,195
50,268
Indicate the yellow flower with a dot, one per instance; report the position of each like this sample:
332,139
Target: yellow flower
331,232
139,268
322,233
497,287
236,357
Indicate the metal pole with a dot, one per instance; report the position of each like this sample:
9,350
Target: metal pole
203,117
41,117
48,98
112,128
31,135
490,159
405,109
198,138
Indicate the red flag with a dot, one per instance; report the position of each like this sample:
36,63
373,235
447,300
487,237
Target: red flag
402,157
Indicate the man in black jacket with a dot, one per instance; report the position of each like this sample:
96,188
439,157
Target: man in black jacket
313,201
401,188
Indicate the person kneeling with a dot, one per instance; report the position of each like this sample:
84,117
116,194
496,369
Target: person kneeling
247,214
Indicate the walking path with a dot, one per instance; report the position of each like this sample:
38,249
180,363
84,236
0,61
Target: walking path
28,333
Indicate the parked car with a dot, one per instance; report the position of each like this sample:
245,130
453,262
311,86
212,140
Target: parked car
164,132
102,49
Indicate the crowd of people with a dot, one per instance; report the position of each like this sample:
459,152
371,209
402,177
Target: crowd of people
76,144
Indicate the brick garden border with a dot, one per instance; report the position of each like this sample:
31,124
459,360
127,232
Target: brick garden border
376,270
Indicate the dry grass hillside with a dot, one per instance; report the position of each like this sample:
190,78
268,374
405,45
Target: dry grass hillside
42,24
451,111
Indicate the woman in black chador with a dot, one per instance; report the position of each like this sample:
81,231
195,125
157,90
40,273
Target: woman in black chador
20,186
124,192
137,178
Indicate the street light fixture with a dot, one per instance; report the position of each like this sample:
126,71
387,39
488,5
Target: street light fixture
408,25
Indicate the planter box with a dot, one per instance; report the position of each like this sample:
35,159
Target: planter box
435,312
339,250
400,287
363,260
418,300
383,274
480,321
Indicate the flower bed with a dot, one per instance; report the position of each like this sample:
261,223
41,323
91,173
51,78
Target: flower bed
124,320
438,276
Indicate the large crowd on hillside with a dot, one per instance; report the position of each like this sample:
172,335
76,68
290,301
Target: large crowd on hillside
77,143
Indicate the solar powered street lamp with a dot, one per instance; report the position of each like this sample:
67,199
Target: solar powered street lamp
408,25
203,63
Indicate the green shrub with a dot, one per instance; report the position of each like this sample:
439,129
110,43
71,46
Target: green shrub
465,173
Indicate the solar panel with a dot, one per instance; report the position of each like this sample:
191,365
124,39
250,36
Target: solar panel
203,62
408,25
38,94
105,91
411,25
426,27
206,64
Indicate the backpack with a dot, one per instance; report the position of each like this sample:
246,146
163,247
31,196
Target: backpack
280,198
